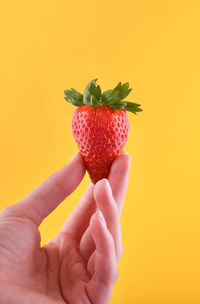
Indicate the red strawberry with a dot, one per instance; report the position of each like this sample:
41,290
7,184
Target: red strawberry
100,125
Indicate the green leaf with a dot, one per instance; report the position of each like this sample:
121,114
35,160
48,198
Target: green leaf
87,94
118,86
74,97
117,94
124,90
106,95
111,96
74,102
133,107
94,102
98,92
131,103
95,91
118,105
92,94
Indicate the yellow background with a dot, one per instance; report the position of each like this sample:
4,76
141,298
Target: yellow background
48,46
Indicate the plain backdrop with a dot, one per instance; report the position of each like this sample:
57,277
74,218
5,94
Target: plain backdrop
48,46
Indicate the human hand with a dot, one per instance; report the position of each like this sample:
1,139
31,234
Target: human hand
79,265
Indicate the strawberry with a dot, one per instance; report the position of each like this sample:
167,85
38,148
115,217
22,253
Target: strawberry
100,125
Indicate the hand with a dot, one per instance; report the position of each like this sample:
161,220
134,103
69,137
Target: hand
79,265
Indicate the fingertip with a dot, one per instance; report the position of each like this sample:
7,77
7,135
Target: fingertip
94,223
122,162
93,217
100,233
118,177
78,164
97,219
77,158
102,183
126,155
70,176
101,218
101,187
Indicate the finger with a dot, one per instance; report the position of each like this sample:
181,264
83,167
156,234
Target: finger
91,263
118,178
46,197
105,275
79,219
106,203
87,245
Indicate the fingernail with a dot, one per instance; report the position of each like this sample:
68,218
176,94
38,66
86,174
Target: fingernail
101,217
73,158
76,158
105,181
124,153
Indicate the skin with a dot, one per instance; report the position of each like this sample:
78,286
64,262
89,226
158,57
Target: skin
79,265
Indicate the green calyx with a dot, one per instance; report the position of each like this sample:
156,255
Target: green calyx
94,97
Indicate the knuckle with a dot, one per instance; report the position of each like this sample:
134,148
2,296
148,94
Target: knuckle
109,278
114,215
120,253
112,243
117,212
6,211
115,275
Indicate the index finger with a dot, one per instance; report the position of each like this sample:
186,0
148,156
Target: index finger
47,196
